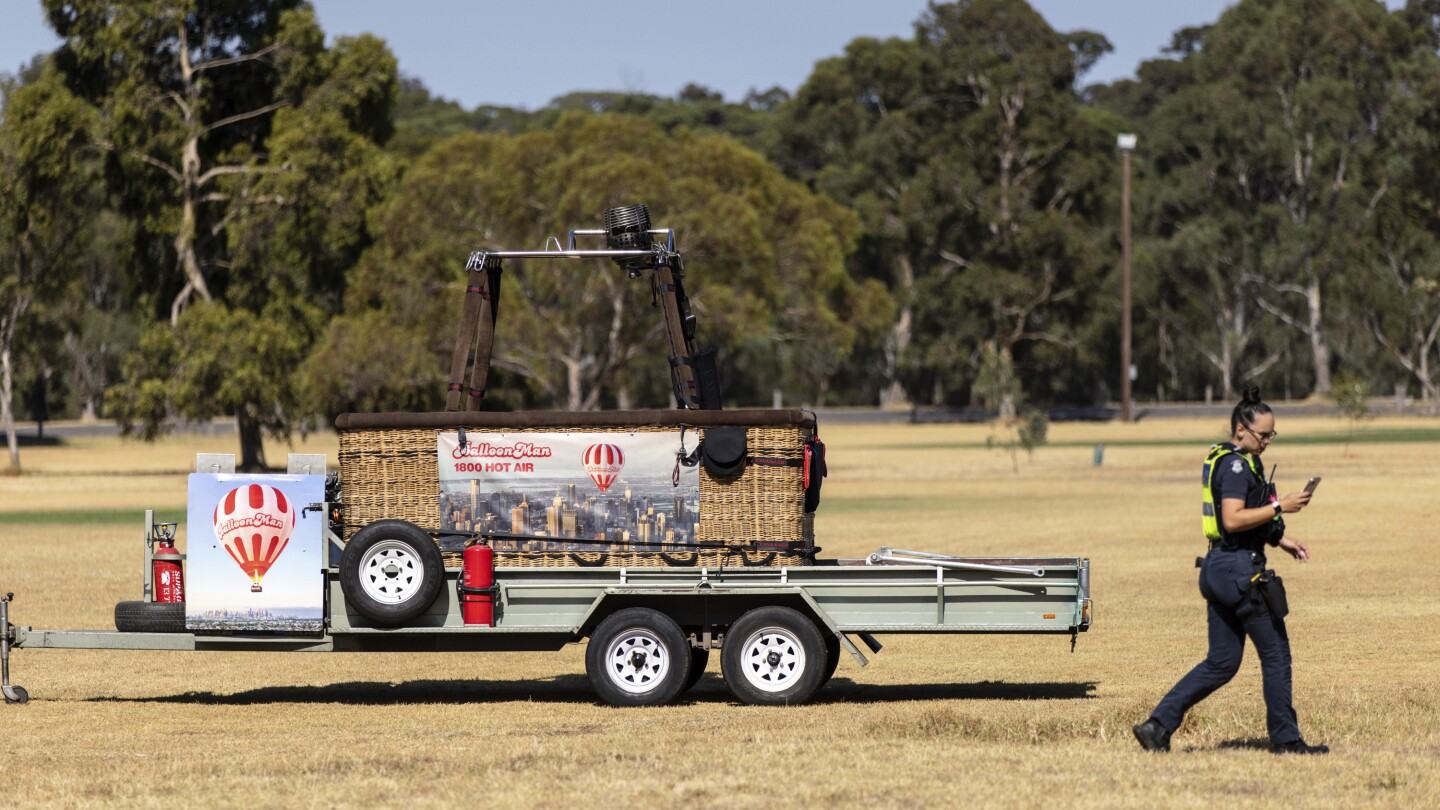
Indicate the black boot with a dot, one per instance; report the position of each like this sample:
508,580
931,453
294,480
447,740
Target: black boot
1152,735
1298,747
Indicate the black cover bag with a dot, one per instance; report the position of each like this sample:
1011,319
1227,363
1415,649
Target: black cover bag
707,378
723,451
815,472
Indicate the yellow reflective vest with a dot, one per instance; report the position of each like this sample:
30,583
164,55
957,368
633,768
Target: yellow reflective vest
1209,512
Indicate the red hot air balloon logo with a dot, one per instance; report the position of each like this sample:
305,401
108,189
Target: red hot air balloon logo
254,523
603,463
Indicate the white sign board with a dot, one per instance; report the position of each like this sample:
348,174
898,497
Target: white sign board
253,553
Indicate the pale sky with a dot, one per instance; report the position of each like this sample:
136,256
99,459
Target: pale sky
523,54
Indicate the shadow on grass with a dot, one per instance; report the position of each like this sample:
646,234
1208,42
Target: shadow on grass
559,689
846,690
1245,744
576,689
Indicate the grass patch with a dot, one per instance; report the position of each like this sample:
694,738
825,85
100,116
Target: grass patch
89,517
995,720
840,505
1384,435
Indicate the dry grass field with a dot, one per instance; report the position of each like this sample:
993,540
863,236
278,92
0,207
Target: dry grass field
933,721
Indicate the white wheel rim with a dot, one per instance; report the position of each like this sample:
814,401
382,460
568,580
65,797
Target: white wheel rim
772,659
637,661
391,572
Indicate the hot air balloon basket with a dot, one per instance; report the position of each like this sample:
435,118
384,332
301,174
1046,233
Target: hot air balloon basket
393,473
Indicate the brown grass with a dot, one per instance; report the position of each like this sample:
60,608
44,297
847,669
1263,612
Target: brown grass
1002,721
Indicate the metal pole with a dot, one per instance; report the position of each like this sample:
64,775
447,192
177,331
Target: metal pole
147,588
904,556
1125,282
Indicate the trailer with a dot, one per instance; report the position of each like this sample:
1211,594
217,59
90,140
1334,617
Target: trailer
780,632
718,554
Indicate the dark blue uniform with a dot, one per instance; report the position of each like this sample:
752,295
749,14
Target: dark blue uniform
1226,582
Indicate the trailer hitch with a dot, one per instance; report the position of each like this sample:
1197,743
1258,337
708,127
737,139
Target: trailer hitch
13,694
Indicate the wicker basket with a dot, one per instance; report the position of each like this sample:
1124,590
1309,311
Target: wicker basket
388,469
707,558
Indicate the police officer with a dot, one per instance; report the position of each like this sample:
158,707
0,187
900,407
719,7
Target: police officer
1241,599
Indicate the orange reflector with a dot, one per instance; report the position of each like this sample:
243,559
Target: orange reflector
1049,615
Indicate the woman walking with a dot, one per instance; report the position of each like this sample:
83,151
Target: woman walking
1241,516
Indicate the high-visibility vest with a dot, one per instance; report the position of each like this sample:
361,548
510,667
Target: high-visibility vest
1209,514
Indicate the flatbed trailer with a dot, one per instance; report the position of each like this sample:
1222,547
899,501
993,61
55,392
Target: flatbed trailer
781,631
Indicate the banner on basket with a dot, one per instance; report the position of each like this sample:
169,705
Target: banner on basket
624,490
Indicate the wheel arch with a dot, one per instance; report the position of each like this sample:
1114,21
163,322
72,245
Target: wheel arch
699,609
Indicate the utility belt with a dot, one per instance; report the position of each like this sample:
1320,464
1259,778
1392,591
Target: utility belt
1255,551
1238,580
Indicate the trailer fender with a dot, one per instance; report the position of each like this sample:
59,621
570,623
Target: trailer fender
678,602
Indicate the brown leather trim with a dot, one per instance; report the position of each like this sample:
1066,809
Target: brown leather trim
537,419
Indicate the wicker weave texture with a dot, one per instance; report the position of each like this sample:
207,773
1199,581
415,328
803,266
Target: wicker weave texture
707,558
393,473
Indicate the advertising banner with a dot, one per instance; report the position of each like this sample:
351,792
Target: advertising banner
253,553
625,489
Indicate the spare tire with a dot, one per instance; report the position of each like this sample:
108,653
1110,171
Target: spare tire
150,617
391,572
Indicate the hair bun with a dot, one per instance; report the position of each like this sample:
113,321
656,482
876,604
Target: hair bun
1251,396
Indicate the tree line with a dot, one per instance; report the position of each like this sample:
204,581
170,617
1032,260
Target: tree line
205,210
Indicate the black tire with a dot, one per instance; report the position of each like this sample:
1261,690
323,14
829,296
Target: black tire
638,657
833,651
391,571
150,617
699,659
773,656
20,695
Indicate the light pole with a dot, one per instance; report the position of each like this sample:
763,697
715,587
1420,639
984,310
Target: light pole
1126,142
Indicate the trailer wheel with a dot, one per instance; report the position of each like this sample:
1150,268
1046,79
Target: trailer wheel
391,572
699,659
16,695
638,657
773,656
833,652
150,617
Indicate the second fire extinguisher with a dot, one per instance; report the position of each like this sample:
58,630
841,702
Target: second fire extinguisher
476,586
169,576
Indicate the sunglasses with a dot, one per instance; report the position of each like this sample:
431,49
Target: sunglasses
1264,437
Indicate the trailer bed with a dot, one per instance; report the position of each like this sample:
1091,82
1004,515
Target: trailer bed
547,608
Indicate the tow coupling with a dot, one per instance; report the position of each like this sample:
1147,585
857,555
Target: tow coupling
13,694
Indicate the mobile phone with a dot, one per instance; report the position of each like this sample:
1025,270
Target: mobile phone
1312,484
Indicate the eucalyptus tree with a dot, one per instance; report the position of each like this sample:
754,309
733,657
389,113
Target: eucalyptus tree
185,90
855,132
44,207
765,259
1026,248
1395,295
979,185
249,154
1279,146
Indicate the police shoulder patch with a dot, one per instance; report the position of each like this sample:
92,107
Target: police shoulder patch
1236,466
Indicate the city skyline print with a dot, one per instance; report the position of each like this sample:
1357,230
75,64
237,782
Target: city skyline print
570,491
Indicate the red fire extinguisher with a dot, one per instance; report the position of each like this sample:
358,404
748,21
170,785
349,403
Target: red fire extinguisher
169,577
476,585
